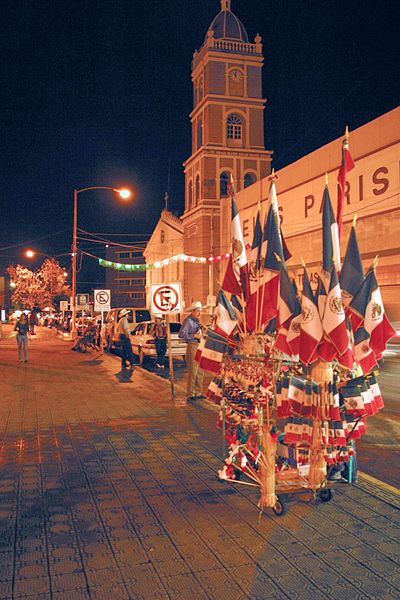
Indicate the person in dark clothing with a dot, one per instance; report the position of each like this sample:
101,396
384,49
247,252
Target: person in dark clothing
32,323
160,339
124,336
22,329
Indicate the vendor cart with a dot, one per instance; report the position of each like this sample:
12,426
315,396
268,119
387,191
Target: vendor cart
288,490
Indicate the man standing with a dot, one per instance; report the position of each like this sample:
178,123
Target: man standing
124,332
160,338
190,332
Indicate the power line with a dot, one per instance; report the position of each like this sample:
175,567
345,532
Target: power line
43,237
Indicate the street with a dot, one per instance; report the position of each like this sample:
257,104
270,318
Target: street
109,491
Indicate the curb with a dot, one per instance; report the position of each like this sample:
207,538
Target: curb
378,482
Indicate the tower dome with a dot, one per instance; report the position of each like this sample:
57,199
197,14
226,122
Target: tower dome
227,26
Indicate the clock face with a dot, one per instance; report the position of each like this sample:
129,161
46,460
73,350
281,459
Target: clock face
236,75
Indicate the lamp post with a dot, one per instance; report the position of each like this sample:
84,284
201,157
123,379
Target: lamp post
125,194
32,253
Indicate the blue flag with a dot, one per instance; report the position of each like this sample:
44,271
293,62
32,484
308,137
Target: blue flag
352,273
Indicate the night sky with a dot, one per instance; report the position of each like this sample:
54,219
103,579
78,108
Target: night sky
98,92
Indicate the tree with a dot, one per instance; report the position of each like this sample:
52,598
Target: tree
52,277
40,287
27,291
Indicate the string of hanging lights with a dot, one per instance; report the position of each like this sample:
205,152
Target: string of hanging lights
162,263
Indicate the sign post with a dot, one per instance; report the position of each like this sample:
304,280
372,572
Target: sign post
102,303
63,308
166,298
170,359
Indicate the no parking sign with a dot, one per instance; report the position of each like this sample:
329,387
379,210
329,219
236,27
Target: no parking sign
165,298
102,300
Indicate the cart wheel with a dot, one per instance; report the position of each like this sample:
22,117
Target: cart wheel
280,507
325,495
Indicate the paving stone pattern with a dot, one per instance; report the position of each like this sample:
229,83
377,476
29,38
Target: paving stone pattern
108,491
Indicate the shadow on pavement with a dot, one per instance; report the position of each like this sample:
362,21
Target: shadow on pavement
92,361
124,376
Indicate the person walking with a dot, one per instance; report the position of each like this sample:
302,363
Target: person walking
124,332
190,332
22,329
32,323
160,339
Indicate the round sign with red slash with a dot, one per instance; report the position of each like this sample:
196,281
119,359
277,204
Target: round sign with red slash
102,297
102,300
166,298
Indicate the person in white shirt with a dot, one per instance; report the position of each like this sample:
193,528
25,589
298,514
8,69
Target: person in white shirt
124,332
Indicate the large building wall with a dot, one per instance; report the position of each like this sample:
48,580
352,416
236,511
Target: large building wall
373,193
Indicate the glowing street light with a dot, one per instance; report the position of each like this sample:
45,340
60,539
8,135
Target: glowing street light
30,253
124,194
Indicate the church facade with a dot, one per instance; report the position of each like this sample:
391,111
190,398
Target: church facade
228,139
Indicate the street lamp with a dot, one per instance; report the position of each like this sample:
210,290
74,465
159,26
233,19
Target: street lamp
31,253
123,193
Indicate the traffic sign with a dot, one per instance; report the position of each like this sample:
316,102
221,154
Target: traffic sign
166,298
63,305
82,301
102,300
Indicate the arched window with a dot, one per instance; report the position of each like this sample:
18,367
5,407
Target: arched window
249,179
199,133
197,189
190,195
234,126
224,183
200,89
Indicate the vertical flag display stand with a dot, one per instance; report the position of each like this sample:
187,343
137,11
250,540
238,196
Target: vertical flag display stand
295,373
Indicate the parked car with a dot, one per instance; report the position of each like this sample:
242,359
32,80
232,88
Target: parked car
110,333
143,343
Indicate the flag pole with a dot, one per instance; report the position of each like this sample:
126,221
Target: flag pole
244,314
260,324
258,266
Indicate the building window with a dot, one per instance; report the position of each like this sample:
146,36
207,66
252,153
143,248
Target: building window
249,179
200,89
138,283
190,195
199,133
234,126
136,254
137,295
197,189
125,282
124,254
224,179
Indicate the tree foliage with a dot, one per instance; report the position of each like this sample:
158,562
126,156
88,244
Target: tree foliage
38,288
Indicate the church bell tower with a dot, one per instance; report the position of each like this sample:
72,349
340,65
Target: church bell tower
227,138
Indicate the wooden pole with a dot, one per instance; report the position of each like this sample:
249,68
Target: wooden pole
223,410
170,359
244,314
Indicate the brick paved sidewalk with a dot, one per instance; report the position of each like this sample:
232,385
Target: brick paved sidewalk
108,491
